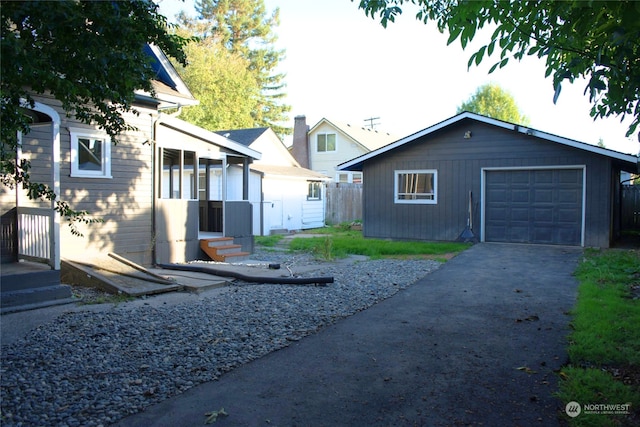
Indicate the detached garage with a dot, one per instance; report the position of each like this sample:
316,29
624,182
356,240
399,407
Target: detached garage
508,183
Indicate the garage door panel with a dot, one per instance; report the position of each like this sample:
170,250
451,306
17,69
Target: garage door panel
541,215
543,196
534,206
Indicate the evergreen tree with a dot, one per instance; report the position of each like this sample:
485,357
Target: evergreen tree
243,28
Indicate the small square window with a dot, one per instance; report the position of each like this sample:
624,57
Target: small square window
326,142
90,154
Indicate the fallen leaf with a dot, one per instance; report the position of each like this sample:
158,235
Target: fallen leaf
213,416
526,369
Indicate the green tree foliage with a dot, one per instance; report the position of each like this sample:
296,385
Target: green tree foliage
597,40
492,101
245,30
89,55
227,90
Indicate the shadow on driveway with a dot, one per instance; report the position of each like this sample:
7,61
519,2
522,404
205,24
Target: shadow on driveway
475,342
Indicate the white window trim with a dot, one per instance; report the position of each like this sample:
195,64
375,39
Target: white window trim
326,133
77,133
396,173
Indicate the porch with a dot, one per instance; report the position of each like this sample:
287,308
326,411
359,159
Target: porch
30,270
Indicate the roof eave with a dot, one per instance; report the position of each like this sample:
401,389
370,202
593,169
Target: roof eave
356,163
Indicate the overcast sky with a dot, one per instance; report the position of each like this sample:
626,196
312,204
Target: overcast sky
345,66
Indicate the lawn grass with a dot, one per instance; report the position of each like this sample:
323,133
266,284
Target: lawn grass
604,347
340,241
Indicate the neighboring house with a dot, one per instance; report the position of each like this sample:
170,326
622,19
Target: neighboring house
291,197
159,190
511,183
328,143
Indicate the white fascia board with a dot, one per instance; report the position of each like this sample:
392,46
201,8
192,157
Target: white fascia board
212,137
488,120
166,64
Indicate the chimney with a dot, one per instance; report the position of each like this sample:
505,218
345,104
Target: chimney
300,144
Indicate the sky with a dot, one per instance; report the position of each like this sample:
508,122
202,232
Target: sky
344,66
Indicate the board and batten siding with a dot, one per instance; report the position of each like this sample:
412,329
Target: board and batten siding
123,202
459,162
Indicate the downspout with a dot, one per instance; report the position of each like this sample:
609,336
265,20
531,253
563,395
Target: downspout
154,188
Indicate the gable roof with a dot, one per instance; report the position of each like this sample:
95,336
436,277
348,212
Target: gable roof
169,88
356,163
370,139
208,136
245,137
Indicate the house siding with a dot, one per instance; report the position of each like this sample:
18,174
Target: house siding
123,202
459,163
326,162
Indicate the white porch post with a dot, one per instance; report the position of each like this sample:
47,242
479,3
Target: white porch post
224,194
55,215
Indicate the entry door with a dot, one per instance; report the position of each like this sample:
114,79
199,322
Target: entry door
541,206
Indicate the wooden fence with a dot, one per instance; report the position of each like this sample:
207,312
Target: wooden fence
630,207
344,202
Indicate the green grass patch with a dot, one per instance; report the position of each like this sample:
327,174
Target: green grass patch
604,346
268,241
339,242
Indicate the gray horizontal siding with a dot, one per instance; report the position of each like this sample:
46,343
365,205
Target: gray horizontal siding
459,162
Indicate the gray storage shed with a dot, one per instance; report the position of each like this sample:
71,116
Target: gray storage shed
504,182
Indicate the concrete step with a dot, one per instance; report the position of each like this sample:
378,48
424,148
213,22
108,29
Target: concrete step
36,297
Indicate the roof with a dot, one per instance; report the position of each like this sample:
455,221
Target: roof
208,136
168,86
370,139
289,171
356,163
245,137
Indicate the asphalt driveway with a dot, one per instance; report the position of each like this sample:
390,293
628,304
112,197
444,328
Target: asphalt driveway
474,343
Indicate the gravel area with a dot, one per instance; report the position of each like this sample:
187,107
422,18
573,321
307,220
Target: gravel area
93,368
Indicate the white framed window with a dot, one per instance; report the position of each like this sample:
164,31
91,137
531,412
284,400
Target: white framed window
349,177
315,190
90,153
326,142
416,186
178,171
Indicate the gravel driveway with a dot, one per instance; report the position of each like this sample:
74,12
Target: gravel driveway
475,342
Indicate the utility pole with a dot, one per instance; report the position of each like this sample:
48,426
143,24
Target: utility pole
372,123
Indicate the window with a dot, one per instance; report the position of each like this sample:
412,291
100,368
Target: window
178,178
416,186
90,154
326,142
349,177
315,190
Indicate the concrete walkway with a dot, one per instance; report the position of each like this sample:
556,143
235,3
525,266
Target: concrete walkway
474,343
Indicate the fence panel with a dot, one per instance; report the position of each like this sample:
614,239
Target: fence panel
344,202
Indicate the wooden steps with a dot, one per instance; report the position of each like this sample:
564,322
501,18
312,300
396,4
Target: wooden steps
223,249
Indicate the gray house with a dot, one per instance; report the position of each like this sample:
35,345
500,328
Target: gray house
504,182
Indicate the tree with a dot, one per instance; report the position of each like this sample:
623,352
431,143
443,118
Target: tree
598,40
227,90
89,55
492,101
244,29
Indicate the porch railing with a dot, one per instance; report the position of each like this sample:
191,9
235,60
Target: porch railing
34,233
